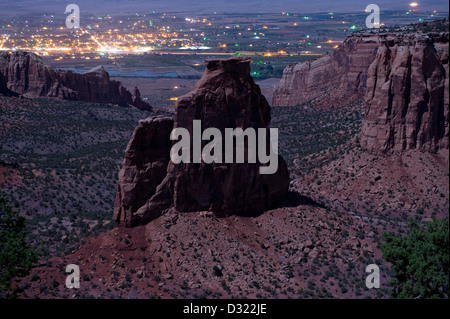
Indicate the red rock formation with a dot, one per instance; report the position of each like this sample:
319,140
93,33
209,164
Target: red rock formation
26,74
343,70
144,166
404,75
225,97
407,95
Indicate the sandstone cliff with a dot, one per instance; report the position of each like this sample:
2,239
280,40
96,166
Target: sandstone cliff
26,74
407,95
343,70
403,75
149,183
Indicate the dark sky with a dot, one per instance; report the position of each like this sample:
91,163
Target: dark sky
199,6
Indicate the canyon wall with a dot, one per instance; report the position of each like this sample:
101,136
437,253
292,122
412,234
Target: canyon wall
407,95
25,74
403,76
343,70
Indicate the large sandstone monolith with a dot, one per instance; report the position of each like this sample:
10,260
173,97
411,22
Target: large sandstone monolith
225,97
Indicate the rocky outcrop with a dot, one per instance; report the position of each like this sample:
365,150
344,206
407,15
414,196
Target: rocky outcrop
407,95
26,74
144,166
137,102
403,75
225,97
343,70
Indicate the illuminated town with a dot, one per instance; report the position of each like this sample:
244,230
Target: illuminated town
219,34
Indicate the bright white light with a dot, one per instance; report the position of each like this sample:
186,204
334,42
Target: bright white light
58,49
413,4
144,49
195,48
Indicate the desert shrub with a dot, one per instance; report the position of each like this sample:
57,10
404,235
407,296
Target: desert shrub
16,257
420,260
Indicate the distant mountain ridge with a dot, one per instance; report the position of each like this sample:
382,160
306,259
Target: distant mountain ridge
24,73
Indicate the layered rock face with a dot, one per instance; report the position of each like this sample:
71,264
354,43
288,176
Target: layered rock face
26,74
225,97
404,76
407,95
343,70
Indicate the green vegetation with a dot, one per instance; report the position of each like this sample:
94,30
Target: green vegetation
217,271
60,161
15,256
272,67
307,129
420,260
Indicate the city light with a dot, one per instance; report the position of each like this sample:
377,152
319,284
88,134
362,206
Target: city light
110,38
